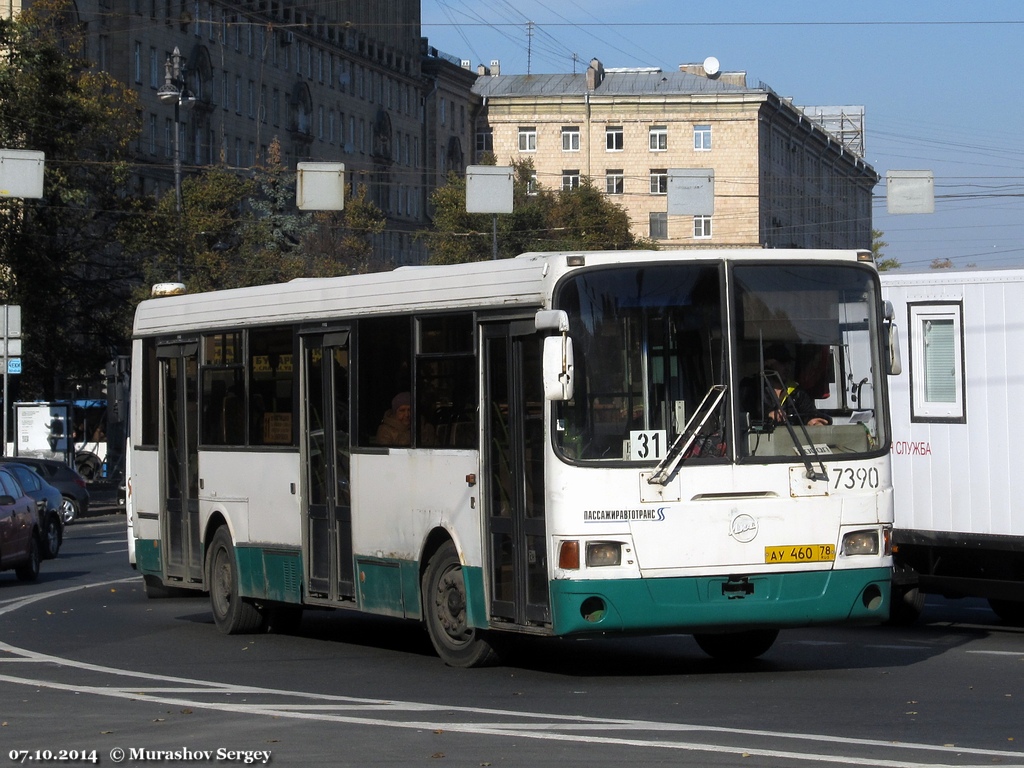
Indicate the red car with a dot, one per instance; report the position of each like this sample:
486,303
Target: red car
19,529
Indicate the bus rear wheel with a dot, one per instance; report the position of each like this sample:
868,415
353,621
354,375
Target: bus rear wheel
444,606
233,615
737,646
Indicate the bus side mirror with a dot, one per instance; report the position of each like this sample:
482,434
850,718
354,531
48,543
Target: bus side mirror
558,368
894,362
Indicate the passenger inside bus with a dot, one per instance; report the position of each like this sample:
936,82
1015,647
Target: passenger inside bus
396,427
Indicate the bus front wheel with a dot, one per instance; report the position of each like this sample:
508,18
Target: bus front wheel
737,646
444,606
233,615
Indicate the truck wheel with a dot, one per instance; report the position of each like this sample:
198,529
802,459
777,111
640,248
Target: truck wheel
906,606
1010,611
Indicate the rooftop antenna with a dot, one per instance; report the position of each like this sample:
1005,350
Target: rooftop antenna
575,58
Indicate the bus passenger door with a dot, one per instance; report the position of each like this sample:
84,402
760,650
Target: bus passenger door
326,444
179,459
514,467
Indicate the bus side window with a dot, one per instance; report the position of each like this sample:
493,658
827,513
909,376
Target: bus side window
272,386
384,351
446,382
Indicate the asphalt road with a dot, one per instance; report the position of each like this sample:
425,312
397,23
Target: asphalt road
90,666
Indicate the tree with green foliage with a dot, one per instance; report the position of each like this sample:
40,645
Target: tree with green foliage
341,243
197,247
274,227
60,259
237,230
883,263
458,236
541,220
583,218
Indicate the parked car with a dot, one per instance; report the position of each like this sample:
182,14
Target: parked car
48,506
19,529
72,486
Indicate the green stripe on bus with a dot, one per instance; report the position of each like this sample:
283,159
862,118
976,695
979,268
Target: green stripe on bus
148,559
715,603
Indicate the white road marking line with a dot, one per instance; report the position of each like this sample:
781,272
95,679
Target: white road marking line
569,728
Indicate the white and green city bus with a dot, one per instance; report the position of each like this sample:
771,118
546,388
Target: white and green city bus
590,449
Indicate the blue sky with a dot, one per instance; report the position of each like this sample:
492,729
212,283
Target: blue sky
942,84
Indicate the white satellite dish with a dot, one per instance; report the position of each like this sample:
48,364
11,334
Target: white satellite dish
711,66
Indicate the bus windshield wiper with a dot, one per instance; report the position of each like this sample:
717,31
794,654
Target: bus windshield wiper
812,473
667,466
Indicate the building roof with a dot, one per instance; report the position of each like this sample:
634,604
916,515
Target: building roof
614,83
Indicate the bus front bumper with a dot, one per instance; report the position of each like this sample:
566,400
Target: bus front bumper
721,603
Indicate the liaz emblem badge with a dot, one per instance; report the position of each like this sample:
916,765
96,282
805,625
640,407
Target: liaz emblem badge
743,528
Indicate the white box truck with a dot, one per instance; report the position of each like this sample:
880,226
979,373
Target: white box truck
958,433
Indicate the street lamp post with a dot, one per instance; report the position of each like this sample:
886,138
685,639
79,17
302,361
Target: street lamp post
174,91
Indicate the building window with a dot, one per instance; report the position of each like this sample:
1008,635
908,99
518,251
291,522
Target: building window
102,48
570,139
702,227
615,182
659,138
659,226
613,138
659,181
154,69
528,139
570,179
168,137
702,138
484,141
138,63
937,363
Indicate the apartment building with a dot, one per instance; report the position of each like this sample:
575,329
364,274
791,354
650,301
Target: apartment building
333,81
780,179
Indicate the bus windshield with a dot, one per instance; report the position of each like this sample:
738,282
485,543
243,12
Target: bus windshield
648,346
651,341
807,360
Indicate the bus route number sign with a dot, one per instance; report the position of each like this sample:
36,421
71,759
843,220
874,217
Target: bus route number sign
648,444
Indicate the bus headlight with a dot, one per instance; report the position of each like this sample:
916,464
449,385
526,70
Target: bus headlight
861,543
603,553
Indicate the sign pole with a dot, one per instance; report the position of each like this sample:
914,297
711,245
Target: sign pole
7,404
11,355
